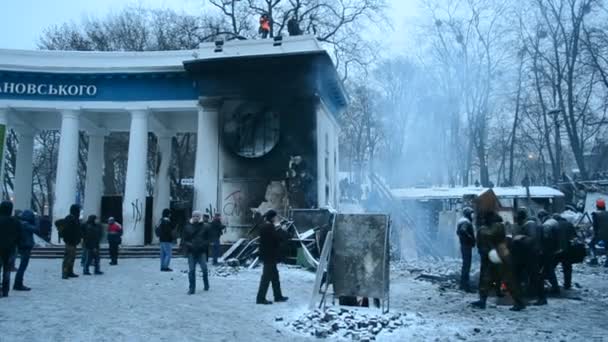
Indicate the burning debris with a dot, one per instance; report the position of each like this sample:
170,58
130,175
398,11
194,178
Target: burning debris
349,324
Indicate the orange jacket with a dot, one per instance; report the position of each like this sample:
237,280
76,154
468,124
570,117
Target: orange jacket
265,24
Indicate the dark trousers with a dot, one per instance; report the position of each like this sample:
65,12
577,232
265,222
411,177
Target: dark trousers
69,256
5,266
566,268
114,252
485,276
270,274
193,260
529,271
24,260
92,258
467,255
216,250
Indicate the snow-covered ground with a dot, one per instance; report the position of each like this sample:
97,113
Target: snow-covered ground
135,302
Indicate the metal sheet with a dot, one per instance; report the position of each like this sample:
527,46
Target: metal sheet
305,219
359,264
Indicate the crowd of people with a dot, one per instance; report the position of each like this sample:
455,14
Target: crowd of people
519,258
200,238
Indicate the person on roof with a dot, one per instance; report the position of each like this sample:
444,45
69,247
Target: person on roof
264,29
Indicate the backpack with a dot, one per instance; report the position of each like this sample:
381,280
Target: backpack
157,228
60,224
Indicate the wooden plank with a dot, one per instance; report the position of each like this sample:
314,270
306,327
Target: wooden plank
232,249
321,268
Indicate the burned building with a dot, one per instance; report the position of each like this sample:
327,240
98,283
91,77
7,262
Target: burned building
256,107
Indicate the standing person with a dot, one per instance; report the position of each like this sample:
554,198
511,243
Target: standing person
114,239
26,243
565,234
165,231
264,29
71,233
92,238
270,245
9,238
550,247
195,242
600,229
217,229
466,234
528,259
293,27
492,245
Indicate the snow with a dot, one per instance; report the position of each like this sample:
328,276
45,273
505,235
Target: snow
135,302
131,61
457,193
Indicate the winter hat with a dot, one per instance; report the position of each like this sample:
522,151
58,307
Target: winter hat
600,204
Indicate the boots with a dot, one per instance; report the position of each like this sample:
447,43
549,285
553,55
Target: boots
480,304
206,281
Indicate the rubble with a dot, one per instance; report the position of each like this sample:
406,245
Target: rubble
349,324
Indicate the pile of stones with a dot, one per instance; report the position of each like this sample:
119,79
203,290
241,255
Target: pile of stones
347,324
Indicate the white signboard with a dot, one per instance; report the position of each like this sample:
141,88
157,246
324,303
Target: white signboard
187,181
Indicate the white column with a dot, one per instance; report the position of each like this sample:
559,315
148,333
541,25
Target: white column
93,189
134,202
3,121
162,188
206,177
23,170
67,167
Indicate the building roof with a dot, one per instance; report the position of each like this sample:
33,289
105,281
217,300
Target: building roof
147,61
457,193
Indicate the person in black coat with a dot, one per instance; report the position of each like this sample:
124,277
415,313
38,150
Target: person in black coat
195,243
70,231
270,245
9,238
217,229
564,234
92,236
26,243
165,230
466,235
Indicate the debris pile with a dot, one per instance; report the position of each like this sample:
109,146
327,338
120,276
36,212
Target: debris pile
347,324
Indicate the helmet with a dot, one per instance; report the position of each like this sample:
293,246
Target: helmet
600,204
542,215
494,257
522,215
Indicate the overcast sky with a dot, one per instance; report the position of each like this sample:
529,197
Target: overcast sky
22,21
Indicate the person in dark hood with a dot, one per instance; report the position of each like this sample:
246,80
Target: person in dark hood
217,229
26,243
114,239
165,231
195,242
466,235
270,246
564,235
293,27
527,256
71,232
9,238
92,237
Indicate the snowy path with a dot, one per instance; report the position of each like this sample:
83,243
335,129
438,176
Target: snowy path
136,302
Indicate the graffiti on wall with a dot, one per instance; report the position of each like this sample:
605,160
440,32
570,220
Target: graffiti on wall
239,196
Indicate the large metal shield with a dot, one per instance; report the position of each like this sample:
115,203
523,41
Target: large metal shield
360,260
